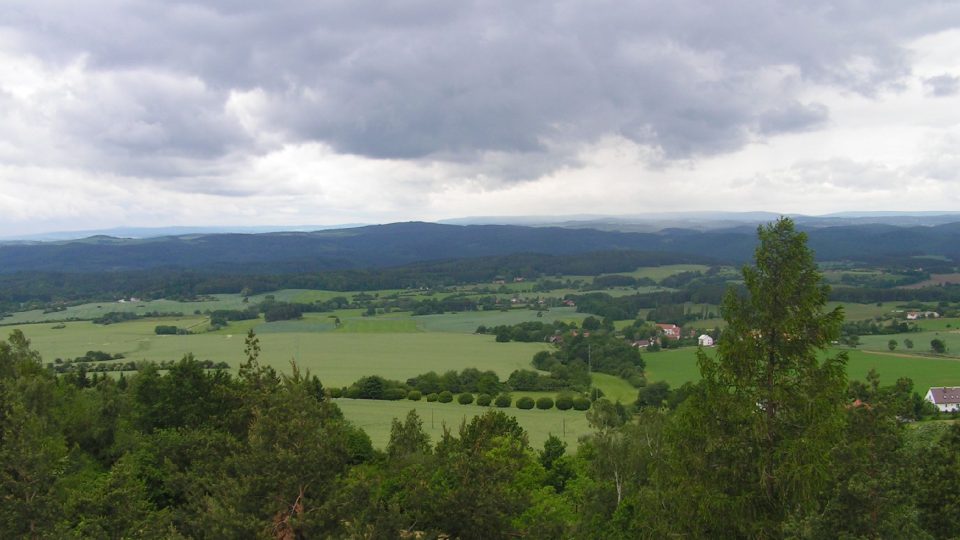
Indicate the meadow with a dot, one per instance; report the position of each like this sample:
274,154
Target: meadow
338,358
680,365
376,417
399,346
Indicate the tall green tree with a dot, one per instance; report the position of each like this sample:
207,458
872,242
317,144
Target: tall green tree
768,410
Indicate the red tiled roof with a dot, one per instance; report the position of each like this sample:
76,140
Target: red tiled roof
944,395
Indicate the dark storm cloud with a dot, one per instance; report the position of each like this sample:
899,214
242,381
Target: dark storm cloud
457,80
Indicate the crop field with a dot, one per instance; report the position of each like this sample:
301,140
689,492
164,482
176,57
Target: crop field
467,322
860,312
375,417
658,273
338,358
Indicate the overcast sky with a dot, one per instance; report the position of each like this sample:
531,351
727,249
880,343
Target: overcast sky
162,112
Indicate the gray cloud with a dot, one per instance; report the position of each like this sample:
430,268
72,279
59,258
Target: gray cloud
943,85
458,81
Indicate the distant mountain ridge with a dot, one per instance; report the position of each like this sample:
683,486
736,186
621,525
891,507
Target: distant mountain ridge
379,246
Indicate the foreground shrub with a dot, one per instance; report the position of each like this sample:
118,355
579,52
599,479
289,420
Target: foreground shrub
445,397
431,397
525,403
503,400
484,400
465,398
414,395
545,403
581,403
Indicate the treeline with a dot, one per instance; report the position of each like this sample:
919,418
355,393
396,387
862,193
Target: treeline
42,289
83,365
526,332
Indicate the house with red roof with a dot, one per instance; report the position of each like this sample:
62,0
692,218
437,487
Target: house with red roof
670,331
946,398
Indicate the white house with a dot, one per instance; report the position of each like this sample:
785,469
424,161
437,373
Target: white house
705,341
946,398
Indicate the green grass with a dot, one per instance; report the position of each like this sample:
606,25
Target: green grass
379,325
467,322
338,358
925,372
658,273
860,312
375,417
614,388
948,324
675,366
680,365
921,342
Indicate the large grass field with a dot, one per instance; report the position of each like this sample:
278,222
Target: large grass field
468,321
658,273
680,365
375,417
338,358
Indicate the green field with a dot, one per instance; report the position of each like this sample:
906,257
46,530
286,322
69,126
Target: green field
338,358
375,417
921,342
614,388
680,365
468,321
658,273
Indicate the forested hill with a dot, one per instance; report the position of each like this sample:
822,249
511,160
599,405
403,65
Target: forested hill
405,243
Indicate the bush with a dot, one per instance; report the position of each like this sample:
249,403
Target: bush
335,392
581,403
525,403
393,394
431,397
465,398
165,330
353,393
414,395
545,403
445,397
564,402
484,400
503,400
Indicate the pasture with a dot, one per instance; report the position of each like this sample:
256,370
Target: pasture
338,358
680,365
376,417
468,321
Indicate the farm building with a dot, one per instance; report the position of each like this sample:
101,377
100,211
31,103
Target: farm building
671,331
914,315
705,341
946,398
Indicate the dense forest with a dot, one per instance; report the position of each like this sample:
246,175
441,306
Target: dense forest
773,442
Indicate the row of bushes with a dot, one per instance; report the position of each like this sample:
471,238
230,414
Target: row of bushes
563,401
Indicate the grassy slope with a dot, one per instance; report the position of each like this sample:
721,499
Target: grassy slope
680,365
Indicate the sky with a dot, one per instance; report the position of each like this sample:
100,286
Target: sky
161,112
